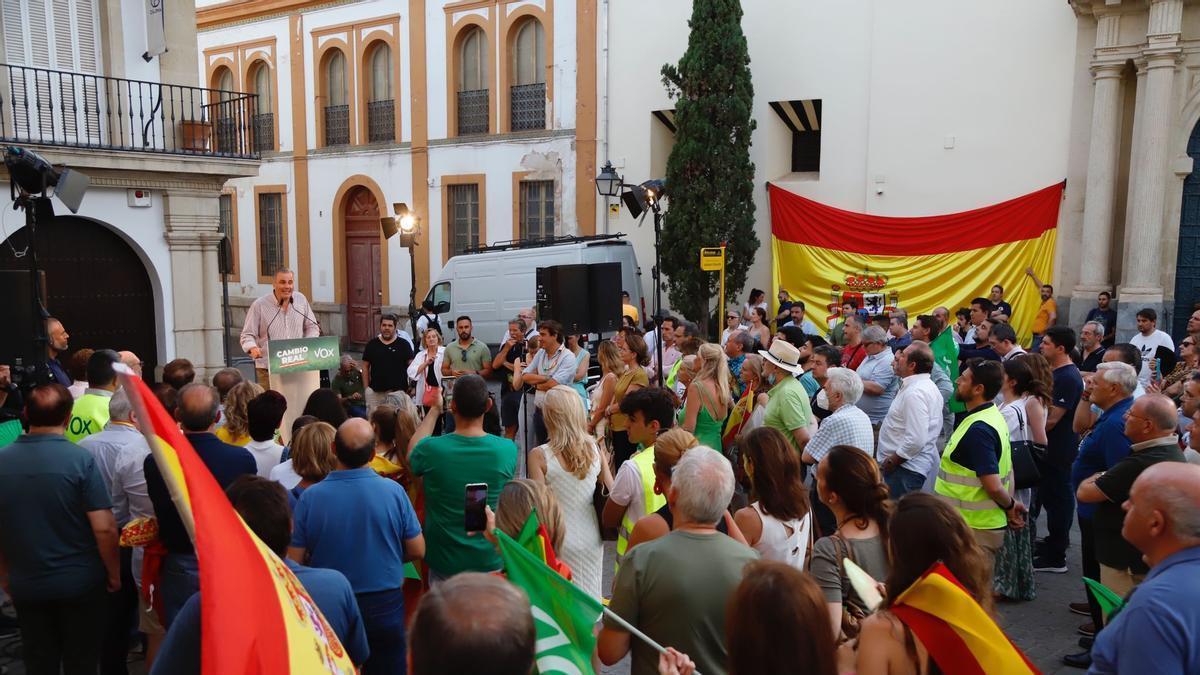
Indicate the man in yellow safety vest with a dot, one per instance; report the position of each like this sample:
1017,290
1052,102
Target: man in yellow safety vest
89,414
976,474
651,411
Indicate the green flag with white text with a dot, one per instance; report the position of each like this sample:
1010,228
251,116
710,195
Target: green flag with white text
562,614
945,355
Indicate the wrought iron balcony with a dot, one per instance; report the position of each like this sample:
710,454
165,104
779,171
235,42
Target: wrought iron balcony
381,121
58,108
337,125
473,112
527,106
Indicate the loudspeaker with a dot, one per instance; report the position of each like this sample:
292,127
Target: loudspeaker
16,340
559,291
604,297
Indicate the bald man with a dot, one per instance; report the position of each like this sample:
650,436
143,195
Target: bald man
1156,631
473,619
1150,426
132,361
363,526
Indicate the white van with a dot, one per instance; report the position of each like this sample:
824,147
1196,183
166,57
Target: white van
492,284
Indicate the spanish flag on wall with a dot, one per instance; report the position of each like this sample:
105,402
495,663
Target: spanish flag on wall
255,616
824,256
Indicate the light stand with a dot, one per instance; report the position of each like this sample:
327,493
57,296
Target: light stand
640,199
408,224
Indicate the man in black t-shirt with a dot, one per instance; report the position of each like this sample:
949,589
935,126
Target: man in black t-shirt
1062,444
385,363
1150,424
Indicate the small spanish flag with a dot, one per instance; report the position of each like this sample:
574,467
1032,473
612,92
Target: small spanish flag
738,416
256,618
960,636
534,538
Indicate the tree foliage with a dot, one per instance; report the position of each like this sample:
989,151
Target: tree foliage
710,178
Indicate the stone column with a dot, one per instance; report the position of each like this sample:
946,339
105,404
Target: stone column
1142,285
1100,197
192,224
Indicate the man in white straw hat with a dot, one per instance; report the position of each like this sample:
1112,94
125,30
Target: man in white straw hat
788,409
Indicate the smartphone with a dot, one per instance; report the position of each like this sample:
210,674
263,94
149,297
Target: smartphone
476,518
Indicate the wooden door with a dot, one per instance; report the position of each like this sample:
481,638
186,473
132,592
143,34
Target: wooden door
364,288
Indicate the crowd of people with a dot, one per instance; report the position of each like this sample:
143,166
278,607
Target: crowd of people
738,477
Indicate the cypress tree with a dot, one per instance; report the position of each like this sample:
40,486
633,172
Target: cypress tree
710,178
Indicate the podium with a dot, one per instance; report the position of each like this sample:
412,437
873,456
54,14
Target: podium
295,366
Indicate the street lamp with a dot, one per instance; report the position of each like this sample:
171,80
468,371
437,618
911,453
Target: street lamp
640,199
408,224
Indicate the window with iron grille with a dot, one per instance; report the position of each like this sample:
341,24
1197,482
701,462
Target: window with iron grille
536,209
337,108
381,121
528,106
270,233
337,125
527,96
472,108
228,257
264,132
381,106
264,117
464,217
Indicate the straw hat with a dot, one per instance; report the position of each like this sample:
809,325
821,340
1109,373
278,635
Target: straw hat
783,354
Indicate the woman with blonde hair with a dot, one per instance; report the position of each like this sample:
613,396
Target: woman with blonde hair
236,430
708,397
608,355
312,456
634,358
570,464
669,447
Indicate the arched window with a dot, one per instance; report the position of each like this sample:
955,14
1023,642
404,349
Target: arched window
472,82
264,118
224,111
337,103
527,95
381,108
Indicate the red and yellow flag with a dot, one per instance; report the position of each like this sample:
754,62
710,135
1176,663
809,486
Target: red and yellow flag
823,256
256,618
960,636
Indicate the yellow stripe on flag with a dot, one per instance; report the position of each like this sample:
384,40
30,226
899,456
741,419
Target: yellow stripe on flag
923,282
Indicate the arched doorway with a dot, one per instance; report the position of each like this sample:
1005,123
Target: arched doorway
95,283
364,288
1187,265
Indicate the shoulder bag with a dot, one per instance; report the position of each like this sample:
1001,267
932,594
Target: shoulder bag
853,614
1025,470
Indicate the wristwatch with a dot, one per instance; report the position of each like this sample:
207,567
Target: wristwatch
1011,505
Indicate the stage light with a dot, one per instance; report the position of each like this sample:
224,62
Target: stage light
34,176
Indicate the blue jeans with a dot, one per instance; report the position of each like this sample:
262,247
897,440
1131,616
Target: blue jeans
901,481
383,620
1054,494
180,580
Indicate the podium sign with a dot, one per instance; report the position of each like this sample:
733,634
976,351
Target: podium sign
294,367
291,356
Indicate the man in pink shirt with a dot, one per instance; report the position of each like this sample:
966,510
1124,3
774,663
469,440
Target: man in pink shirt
282,314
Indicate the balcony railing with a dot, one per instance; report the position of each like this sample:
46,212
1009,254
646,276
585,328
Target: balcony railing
264,132
381,121
528,106
75,110
473,112
337,125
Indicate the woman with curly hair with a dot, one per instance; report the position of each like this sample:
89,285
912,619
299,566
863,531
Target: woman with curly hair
236,430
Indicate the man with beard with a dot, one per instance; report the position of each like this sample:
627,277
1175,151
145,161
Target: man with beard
385,362
1107,316
1047,313
467,355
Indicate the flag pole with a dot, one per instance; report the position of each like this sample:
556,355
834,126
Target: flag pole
639,634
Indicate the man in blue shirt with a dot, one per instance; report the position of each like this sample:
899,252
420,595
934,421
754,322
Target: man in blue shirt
1156,631
197,414
58,542
1111,388
263,505
363,526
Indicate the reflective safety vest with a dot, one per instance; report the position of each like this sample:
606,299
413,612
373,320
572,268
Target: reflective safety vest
673,374
644,461
963,488
88,416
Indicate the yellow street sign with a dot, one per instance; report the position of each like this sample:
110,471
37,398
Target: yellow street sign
712,259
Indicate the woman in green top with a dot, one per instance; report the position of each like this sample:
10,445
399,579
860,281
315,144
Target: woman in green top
708,397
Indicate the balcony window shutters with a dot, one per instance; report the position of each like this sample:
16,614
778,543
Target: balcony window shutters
55,35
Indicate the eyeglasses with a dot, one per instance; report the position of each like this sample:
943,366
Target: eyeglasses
1187,343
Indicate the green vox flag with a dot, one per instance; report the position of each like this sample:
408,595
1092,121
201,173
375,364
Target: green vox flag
562,614
945,354
319,353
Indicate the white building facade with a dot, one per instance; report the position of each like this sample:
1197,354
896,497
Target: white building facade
898,109
137,267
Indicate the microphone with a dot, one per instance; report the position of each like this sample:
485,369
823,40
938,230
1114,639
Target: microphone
277,313
306,316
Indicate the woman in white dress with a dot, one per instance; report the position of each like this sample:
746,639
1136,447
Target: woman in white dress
779,523
570,464
426,366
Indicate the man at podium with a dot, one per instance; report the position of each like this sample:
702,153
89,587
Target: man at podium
282,314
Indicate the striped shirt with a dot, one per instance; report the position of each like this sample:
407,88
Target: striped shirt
266,321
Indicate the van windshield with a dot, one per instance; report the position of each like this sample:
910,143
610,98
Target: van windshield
439,295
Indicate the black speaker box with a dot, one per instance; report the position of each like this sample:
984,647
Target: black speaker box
604,297
16,340
562,292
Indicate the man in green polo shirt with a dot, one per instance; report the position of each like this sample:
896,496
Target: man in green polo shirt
788,410
90,412
467,355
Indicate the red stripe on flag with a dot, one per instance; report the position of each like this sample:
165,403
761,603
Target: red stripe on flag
242,627
944,645
800,220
